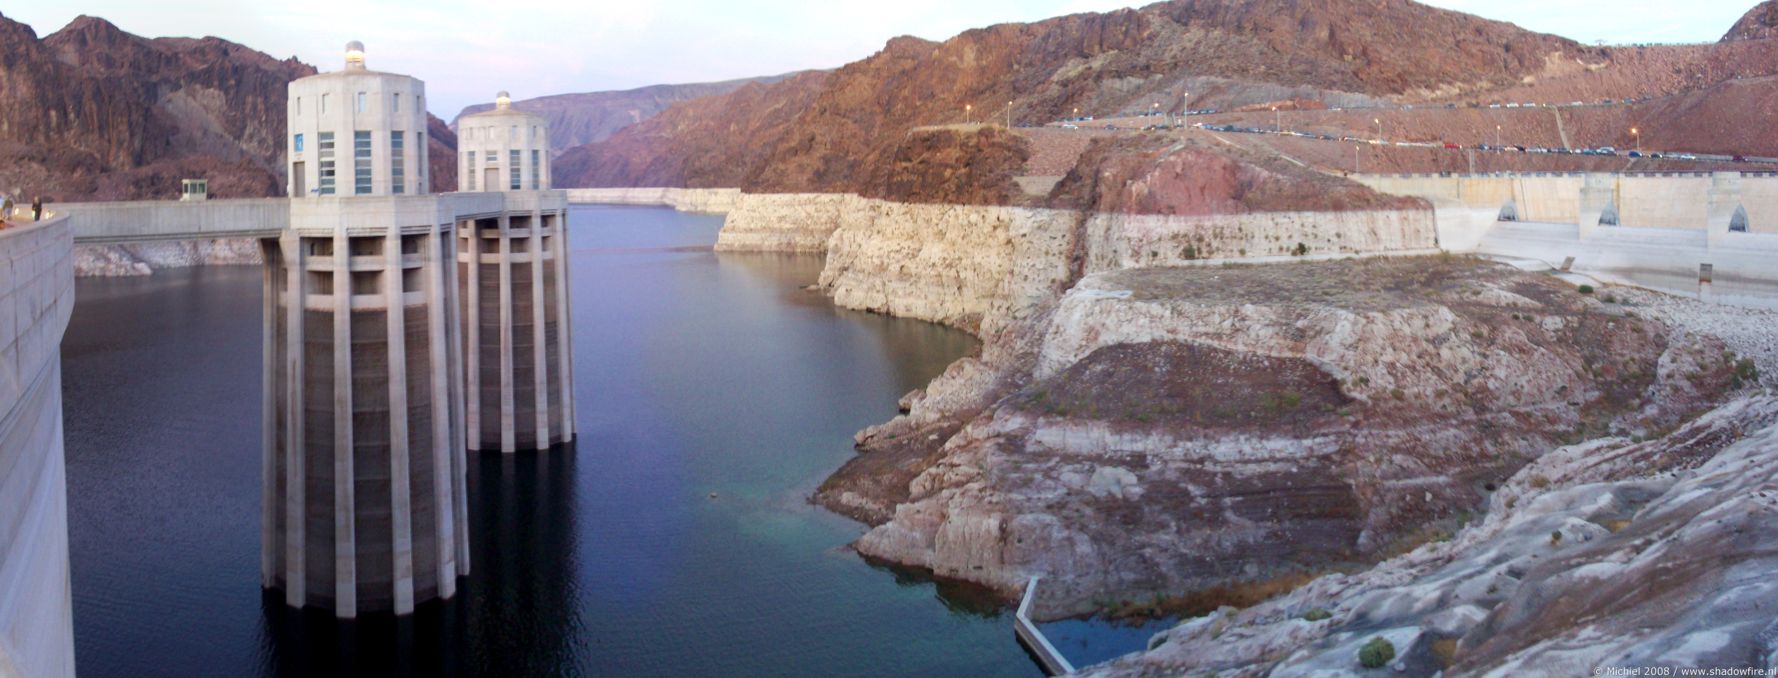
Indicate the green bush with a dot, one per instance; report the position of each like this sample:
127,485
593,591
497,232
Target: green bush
1377,653
1317,614
1586,289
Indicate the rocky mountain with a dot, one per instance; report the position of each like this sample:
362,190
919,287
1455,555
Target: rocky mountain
829,135
95,113
1760,23
586,117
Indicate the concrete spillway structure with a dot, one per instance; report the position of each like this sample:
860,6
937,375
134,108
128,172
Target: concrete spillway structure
514,275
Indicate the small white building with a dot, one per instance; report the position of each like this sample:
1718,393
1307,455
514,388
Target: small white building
504,149
357,132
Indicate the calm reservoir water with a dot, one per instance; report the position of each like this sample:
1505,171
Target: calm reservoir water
695,373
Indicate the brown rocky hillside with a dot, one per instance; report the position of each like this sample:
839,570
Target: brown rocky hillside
853,120
1760,23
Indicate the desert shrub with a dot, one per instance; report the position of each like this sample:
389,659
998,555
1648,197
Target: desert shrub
1586,289
1317,614
1377,653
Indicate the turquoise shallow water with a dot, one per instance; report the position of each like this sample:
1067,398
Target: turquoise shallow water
695,373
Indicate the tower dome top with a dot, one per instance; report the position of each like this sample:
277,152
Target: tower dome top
355,55
503,100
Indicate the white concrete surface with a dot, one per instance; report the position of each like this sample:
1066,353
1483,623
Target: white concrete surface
489,143
36,299
342,103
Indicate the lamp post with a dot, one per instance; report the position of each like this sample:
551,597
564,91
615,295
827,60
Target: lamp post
1497,144
1635,132
1185,116
1379,122
1076,114
968,113
1277,120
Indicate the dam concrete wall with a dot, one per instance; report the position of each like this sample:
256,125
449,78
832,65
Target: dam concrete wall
1673,230
1664,200
151,220
698,200
36,300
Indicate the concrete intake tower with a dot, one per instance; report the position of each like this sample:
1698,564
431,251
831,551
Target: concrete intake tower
371,294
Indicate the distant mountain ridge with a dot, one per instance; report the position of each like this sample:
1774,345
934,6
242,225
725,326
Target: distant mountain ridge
587,117
1123,60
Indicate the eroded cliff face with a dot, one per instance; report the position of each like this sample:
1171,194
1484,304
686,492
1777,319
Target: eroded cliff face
1610,553
94,112
1159,432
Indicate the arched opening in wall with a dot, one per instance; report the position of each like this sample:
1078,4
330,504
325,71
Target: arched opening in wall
1738,223
1609,216
1509,211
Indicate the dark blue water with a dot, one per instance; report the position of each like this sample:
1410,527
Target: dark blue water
695,373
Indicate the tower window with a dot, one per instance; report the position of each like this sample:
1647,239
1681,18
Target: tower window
397,164
361,163
397,105
299,143
515,171
325,153
513,134
471,167
324,104
360,102
299,107
536,168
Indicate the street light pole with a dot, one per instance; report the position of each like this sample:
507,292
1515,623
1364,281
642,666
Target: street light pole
1497,144
1635,132
968,113
1185,116
1379,122
1277,120
1009,115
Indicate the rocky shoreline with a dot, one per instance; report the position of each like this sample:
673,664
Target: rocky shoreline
1151,431
109,261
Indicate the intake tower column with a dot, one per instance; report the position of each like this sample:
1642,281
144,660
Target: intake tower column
364,463
514,276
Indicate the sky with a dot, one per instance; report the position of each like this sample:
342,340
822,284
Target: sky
466,50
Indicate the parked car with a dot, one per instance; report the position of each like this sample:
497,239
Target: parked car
1451,146
1740,158
1635,154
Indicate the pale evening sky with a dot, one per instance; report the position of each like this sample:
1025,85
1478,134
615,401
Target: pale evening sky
466,50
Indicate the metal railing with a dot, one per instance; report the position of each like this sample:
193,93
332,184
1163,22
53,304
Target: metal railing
1047,655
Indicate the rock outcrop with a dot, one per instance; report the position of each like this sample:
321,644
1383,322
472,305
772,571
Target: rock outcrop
1167,431
108,261
1610,553
1760,23
94,112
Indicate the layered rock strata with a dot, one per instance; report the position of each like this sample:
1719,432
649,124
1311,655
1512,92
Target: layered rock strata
1164,431
1610,553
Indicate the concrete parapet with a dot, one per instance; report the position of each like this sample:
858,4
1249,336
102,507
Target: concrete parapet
151,220
697,200
36,300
